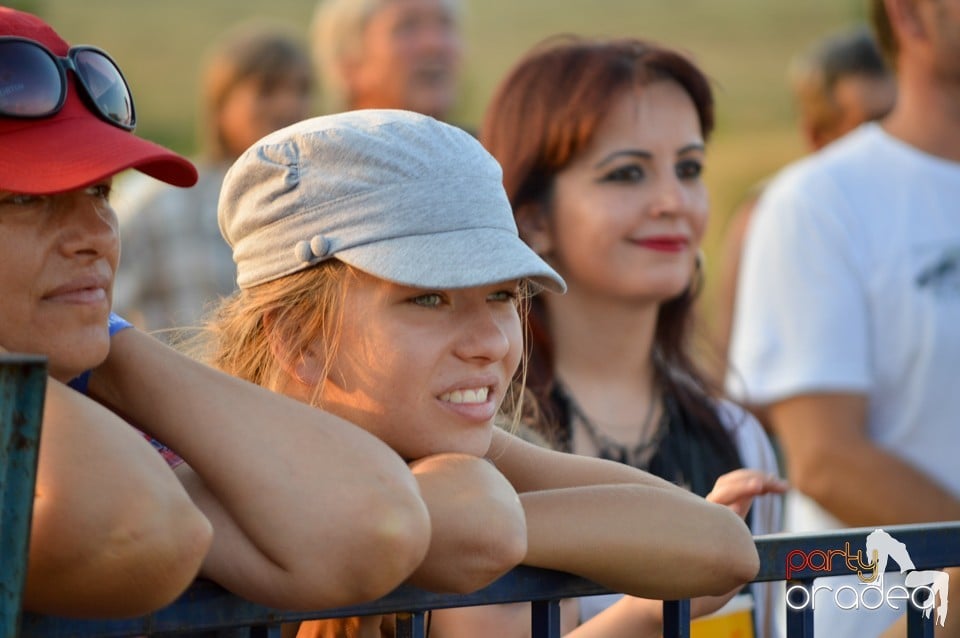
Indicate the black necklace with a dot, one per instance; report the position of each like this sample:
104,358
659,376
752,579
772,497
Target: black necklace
637,455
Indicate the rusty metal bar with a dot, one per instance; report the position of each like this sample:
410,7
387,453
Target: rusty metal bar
23,381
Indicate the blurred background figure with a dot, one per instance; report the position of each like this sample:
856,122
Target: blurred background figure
389,54
841,82
837,84
847,321
257,78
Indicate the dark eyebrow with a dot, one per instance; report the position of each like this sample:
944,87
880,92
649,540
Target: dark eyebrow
696,146
618,154
636,153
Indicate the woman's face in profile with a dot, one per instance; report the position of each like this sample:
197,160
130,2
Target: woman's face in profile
425,370
58,256
628,214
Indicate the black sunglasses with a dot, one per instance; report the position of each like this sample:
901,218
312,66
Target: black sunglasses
33,82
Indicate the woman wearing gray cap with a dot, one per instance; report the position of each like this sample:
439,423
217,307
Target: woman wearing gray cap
382,278
114,532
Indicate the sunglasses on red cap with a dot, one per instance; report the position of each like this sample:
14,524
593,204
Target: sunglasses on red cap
33,82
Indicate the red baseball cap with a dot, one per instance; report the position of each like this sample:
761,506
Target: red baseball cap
74,147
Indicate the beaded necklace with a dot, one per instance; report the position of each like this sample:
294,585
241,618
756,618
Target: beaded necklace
637,455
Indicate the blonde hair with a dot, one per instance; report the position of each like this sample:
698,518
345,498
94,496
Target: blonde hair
336,34
260,333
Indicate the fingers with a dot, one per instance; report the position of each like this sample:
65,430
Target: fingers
737,489
750,482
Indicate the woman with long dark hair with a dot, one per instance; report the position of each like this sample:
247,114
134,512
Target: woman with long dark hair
602,145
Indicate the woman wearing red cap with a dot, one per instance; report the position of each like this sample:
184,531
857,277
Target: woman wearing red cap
114,532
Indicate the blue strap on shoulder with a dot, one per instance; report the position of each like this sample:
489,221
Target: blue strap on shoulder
116,323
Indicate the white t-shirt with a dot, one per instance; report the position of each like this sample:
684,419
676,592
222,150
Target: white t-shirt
850,282
755,453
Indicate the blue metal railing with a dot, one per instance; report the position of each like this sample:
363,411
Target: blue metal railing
206,607
23,381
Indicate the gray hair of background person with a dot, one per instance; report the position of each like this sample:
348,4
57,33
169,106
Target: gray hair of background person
336,34
255,50
814,74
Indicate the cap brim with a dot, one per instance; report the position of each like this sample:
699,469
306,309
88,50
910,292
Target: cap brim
64,153
453,259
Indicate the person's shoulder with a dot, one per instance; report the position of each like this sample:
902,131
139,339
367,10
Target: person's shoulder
824,186
839,157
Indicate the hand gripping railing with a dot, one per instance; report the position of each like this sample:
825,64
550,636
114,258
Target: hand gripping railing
205,607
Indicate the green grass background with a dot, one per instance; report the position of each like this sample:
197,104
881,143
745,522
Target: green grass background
743,45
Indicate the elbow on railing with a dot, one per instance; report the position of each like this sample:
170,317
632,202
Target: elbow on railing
731,556
177,548
142,561
392,539
378,552
478,567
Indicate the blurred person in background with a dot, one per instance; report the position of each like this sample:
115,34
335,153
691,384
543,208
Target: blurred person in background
389,54
257,78
838,84
847,320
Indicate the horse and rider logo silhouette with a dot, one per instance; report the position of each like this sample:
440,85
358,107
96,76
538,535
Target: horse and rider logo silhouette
882,547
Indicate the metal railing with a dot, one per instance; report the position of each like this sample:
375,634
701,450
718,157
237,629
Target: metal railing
206,607
23,382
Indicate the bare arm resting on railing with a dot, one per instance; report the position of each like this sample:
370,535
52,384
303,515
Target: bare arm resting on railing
633,617
611,523
622,527
308,511
113,532
477,522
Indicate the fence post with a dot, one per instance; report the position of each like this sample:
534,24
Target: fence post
676,618
411,625
800,621
23,380
545,619
917,625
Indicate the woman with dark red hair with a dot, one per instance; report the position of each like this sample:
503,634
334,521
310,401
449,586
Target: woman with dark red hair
602,145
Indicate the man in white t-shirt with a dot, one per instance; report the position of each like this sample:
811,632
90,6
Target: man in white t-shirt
847,325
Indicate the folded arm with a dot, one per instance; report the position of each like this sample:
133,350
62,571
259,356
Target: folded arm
622,527
113,533
308,510
477,523
637,617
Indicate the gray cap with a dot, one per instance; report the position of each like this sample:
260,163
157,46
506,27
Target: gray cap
395,194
